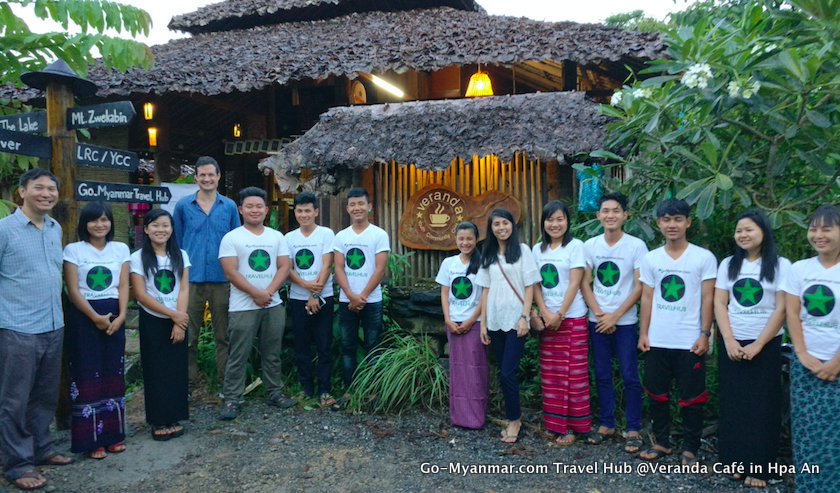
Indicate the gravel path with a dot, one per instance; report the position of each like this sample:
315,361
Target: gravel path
312,449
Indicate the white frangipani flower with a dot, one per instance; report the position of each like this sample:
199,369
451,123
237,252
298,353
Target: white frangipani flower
615,99
697,75
642,92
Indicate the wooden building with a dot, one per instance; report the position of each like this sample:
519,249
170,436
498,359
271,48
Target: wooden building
257,74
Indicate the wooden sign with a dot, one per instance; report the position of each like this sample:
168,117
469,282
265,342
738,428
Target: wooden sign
89,191
31,123
103,157
100,115
432,213
25,144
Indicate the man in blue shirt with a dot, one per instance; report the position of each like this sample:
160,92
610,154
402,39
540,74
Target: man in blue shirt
31,331
201,220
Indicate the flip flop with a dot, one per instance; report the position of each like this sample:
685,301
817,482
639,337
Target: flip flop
751,482
654,454
160,433
55,459
566,440
29,475
688,461
510,439
97,454
116,448
595,438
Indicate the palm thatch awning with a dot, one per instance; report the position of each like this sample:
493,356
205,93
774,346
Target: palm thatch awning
429,134
371,42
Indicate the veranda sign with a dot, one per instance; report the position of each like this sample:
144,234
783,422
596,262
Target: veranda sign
432,214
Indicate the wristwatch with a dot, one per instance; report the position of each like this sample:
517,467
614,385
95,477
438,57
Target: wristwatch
525,317
707,333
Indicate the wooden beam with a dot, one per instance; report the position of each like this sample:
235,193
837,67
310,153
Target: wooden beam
218,103
62,162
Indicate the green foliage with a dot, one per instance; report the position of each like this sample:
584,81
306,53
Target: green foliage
400,373
83,24
634,21
740,114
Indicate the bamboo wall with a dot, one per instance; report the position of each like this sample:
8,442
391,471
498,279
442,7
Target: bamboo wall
393,184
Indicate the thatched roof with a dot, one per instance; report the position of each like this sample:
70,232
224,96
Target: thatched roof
244,14
429,134
419,40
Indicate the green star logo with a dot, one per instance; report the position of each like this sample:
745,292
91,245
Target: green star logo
99,278
550,276
164,281
462,288
259,260
608,274
819,300
355,259
304,259
672,288
748,292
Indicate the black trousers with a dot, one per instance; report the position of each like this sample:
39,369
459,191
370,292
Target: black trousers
662,367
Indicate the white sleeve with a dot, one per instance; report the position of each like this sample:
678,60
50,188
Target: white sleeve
226,247
646,275
71,254
576,258
442,277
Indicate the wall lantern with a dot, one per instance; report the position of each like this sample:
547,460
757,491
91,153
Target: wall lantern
479,85
148,111
237,130
152,137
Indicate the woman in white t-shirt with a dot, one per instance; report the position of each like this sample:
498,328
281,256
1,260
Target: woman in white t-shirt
508,275
160,284
460,301
96,276
813,316
750,311
564,370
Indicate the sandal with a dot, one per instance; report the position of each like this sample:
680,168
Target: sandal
55,459
24,481
176,430
97,454
566,440
633,444
688,460
160,433
280,400
655,453
596,437
116,448
511,439
326,400
341,403
755,482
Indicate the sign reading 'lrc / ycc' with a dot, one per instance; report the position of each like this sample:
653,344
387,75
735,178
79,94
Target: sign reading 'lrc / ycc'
89,191
103,157
100,115
25,144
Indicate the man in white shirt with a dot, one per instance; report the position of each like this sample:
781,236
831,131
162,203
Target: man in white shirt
255,260
361,257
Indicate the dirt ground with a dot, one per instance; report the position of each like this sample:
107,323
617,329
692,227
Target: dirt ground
306,448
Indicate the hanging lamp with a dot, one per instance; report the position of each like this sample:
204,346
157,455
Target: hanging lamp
479,85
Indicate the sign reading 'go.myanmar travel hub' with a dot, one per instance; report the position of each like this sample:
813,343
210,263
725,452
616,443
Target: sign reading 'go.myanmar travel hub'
432,213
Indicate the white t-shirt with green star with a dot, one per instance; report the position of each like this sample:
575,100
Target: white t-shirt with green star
164,285
751,301
464,293
306,253
97,271
817,289
613,269
555,268
359,252
677,294
256,259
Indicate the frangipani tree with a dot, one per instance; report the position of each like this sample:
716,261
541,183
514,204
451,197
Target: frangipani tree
742,113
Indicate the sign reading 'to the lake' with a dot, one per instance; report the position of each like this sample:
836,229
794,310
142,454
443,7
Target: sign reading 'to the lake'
103,157
89,191
25,144
100,115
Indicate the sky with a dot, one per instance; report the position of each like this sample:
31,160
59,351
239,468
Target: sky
543,10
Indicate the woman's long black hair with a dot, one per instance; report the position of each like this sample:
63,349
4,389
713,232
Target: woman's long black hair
475,256
91,212
548,211
147,254
491,244
769,255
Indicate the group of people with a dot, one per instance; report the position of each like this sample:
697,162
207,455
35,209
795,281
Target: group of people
578,296
573,294
198,258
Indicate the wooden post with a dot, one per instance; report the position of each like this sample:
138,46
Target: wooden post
62,162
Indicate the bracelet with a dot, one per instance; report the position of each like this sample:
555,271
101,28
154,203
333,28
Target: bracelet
525,318
314,295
